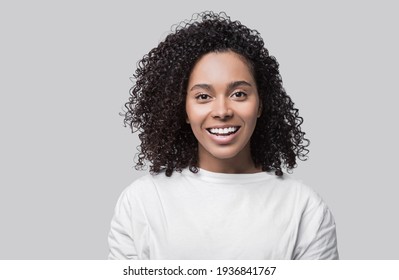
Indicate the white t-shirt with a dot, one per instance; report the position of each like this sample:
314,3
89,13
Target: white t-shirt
211,215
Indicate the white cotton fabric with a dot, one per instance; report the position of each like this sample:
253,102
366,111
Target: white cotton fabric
221,216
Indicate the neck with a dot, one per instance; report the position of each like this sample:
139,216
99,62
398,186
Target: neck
230,169
241,163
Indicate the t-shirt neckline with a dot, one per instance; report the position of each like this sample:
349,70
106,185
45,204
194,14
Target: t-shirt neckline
228,178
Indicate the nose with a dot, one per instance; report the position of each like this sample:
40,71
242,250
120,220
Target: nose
221,109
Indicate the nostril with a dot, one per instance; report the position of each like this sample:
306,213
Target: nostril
225,114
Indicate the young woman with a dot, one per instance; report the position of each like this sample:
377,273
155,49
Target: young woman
217,128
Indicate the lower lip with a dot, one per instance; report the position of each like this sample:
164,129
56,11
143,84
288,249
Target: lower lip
223,140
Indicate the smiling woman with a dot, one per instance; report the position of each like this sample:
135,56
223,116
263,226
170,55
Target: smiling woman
217,127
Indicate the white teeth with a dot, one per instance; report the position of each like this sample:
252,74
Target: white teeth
226,130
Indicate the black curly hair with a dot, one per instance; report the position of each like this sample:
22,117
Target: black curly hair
156,107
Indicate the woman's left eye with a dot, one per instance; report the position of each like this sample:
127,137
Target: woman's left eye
239,94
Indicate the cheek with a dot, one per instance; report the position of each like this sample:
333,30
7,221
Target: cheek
196,114
250,114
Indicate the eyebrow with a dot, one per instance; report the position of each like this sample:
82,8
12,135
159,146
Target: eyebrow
230,86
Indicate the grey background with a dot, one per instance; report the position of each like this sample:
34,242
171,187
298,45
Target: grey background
65,155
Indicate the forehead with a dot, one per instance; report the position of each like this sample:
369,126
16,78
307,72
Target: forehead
221,66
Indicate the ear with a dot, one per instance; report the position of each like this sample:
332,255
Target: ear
260,109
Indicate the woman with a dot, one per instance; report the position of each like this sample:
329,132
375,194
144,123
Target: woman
217,127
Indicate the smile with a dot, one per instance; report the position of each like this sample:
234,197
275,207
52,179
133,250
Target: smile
223,131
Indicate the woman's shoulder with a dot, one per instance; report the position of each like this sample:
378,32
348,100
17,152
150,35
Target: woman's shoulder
148,181
306,196
139,184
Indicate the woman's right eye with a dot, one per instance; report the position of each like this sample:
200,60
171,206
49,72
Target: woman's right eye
202,96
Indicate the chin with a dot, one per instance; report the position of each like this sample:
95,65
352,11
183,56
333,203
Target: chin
224,154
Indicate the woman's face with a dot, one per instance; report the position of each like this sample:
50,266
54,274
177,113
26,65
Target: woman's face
222,106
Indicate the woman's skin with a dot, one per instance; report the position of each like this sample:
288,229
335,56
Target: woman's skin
222,106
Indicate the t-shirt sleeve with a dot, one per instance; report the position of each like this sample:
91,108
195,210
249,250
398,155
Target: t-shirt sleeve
316,239
120,237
